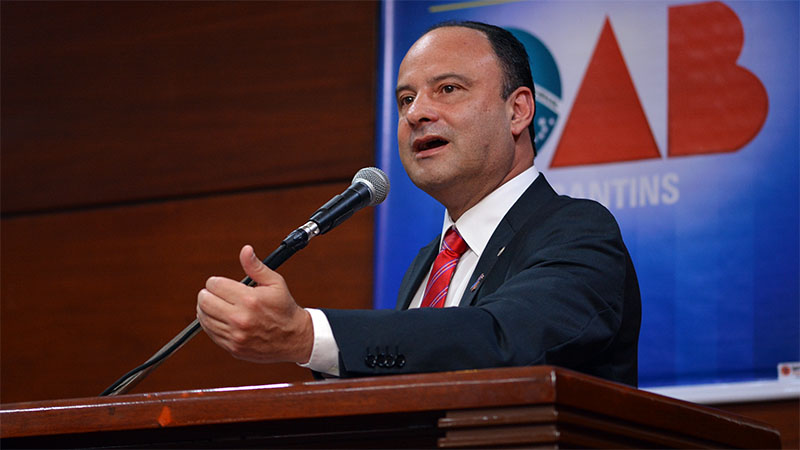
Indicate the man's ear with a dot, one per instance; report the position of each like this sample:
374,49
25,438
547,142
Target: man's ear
523,107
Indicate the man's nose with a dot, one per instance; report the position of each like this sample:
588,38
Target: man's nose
420,111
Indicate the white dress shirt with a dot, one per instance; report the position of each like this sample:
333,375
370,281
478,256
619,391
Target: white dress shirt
476,226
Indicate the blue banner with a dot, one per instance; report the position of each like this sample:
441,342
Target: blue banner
682,119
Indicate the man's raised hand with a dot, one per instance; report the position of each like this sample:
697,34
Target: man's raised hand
261,323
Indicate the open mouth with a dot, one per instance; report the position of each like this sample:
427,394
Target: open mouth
430,143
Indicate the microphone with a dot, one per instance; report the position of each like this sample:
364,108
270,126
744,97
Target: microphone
369,187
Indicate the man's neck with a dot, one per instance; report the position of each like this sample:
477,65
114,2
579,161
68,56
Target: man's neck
455,213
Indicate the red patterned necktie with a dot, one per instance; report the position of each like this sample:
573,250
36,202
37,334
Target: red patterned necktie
453,247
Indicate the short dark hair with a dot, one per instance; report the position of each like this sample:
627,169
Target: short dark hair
510,53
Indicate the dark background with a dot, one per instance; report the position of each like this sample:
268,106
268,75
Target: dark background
143,144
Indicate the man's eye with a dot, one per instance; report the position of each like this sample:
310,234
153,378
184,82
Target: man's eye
406,100
448,89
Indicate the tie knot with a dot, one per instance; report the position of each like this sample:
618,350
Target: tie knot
454,243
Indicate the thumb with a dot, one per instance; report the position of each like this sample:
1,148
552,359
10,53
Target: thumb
254,268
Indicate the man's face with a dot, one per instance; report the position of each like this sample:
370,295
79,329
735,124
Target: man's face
454,132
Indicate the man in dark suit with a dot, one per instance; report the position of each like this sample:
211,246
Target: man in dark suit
524,276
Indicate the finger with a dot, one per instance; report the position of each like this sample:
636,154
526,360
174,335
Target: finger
213,306
217,331
212,325
256,269
223,288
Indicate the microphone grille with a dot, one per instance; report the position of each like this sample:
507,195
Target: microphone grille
377,182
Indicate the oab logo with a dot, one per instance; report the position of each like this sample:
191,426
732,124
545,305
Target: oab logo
713,105
547,84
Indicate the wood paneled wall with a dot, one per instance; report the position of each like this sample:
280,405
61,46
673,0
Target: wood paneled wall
143,144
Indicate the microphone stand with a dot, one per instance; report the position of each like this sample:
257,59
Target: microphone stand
296,241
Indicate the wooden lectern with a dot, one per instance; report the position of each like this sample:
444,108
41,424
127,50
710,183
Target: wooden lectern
511,407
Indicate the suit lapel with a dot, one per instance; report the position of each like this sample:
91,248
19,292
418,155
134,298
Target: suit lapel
419,268
531,200
501,236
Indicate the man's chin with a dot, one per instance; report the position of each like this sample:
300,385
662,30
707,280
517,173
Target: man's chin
431,181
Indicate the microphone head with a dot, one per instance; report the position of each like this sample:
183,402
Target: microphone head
376,181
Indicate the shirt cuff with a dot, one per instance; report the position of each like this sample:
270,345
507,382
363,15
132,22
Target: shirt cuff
325,353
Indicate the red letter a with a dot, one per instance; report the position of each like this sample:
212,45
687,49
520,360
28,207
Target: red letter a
607,123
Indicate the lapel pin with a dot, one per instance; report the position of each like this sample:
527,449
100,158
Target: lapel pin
501,251
476,283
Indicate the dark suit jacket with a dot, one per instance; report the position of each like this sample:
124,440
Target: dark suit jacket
555,285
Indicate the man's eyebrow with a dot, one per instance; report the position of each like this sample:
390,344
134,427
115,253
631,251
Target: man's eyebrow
436,79
450,75
401,88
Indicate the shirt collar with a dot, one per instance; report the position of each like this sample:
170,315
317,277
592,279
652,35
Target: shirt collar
478,223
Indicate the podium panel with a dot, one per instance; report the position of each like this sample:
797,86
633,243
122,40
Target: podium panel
538,406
